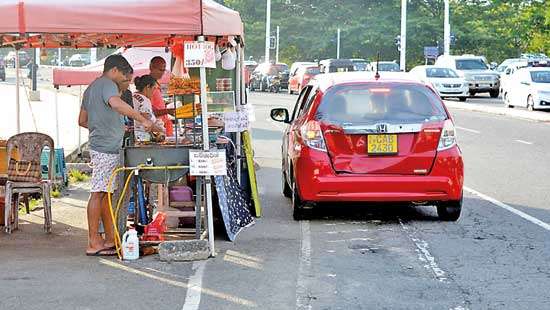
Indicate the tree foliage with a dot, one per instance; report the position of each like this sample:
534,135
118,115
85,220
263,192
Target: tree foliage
497,29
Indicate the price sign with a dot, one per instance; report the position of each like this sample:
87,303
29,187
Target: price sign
236,121
207,162
199,54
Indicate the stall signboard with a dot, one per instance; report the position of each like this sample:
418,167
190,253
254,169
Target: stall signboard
204,163
236,121
199,54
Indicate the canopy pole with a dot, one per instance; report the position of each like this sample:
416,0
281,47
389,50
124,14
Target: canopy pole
57,116
17,81
79,129
238,104
206,147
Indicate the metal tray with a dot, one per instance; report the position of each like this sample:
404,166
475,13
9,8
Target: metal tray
159,155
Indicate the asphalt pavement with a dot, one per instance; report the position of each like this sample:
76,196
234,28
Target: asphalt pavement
346,256
389,257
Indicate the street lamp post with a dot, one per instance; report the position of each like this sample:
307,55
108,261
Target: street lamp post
338,44
267,30
446,30
277,47
403,41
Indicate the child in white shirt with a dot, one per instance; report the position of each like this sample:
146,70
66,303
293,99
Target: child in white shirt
145,86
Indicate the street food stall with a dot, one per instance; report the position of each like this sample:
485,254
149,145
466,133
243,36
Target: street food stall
211,141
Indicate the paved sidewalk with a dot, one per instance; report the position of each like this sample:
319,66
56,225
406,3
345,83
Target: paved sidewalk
538,116
40,116
50,271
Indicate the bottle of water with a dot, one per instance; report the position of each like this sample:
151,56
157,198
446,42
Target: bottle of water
130,245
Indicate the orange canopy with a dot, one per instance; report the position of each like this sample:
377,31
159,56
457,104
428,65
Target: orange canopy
108,23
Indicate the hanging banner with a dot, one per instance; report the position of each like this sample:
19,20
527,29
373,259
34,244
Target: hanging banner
207,163
199,54
236,121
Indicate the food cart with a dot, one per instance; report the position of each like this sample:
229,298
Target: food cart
149,23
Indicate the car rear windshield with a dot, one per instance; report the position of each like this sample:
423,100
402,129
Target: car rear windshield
368,104
312,70
341,68
391,67
471,64
540,76
440,73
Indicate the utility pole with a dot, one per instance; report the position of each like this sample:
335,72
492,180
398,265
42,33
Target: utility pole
267,30
33,66
446,30
338,44
403,41
277,47
93,55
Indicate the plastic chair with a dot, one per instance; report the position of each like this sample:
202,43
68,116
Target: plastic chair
29,146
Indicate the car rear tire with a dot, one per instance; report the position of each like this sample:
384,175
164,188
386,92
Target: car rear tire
287,190
449,210
494,93
462,99
298,211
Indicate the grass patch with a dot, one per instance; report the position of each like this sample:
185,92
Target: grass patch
55,193
76,176
33,204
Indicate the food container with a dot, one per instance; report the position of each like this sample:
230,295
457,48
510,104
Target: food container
181,193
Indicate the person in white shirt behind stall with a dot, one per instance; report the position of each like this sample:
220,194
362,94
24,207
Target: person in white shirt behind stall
145,86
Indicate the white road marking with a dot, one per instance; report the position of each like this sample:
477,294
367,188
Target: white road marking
424,254
193,297
346,231
302,291
524,142
216,294
351,239
524,215
467,129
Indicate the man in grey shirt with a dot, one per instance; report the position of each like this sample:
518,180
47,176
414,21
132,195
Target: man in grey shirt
103,112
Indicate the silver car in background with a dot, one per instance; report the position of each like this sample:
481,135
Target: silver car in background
475,71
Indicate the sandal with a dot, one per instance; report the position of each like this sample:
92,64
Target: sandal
103,252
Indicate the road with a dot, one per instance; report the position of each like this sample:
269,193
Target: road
401,258
345,257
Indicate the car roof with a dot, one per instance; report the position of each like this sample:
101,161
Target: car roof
337,61
460,57
532,69
326,81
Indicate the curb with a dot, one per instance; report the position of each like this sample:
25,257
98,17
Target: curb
501,110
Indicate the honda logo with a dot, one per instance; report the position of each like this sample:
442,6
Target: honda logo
382,128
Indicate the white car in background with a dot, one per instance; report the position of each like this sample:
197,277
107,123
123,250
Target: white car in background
529,88
444,80
507,74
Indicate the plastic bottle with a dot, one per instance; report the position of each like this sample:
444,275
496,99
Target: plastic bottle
130,245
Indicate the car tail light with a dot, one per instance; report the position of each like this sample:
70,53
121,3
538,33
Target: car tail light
313,136
448,136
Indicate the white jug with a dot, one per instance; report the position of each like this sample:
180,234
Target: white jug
130,245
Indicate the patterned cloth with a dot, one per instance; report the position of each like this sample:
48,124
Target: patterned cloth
234,204
103,166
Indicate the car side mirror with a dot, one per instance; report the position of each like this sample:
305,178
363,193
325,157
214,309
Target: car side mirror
280,115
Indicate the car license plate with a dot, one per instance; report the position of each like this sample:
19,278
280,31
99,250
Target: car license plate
382,144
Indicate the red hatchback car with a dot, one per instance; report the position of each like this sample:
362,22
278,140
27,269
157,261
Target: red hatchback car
301,78
354,137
